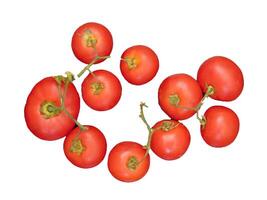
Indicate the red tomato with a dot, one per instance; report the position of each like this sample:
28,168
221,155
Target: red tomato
223,75
126,161
178,95
101,90
170,139
40,119
85,148
91,40
139,64
221,128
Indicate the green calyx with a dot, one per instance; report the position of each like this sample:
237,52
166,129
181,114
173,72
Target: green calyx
48,109
167,126
131,62
174,100
77,146
90,39
97,88
210,90
132,163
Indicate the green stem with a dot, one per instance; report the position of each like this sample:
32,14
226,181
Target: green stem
202,119
73,119
209,91
150,130
87,67
175,100
62,97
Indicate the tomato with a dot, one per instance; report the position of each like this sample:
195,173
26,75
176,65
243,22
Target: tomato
223,75
101,90
139,64
179,95
91,40
170,139
85,148
127,161
221,128
40,119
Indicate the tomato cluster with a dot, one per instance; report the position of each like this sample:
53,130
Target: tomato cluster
53,105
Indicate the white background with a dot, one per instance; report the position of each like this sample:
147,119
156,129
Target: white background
35,41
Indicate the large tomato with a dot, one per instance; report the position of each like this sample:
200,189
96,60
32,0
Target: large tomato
126,161
170,139
221,127
85,148
139,64
179,95
101,90
44,121
223,75
91,40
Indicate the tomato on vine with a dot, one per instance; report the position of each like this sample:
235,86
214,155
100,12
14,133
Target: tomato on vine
52,108
91,40
170,139
139,64
85,147
101,90
220,127
223,75
179,96
127,161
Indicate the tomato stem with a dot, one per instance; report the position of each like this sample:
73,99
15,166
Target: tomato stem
209,91
73,119
62,96
150,130
87,67
202,120
174,100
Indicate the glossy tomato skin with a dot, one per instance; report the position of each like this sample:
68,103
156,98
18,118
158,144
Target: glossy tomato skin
170,139
101,90
222,126
186,89
85,51
93,142
225,77
146,64
57,126
119,157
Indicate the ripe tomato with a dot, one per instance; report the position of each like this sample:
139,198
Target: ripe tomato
85,148
139,64
126,161
221,128
44,122
178,95
223,75
101,90
91,40
170,139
